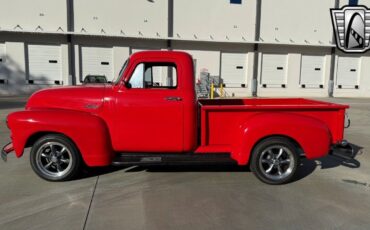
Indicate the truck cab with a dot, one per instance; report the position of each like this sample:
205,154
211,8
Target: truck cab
155,104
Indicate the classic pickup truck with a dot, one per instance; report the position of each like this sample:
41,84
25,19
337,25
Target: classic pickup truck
150,115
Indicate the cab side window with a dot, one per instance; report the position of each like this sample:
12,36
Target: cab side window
154,75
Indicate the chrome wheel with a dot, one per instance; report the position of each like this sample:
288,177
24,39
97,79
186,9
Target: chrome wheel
276,162
54,159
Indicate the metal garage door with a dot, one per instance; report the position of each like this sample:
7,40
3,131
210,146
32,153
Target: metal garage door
3,68
234,69
97,61
312,71
348,69
274,70
44,63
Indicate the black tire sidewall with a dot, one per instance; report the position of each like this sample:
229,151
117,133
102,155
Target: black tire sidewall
76,158
257,151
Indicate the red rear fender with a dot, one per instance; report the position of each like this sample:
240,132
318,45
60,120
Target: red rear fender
312,135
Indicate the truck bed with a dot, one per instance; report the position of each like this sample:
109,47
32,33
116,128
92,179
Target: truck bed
220,119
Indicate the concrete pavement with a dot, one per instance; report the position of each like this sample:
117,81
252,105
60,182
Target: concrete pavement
327,195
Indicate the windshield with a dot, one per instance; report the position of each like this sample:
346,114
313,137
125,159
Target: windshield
118,77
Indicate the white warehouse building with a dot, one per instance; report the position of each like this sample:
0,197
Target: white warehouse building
257,47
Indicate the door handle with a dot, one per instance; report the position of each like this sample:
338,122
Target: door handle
173,98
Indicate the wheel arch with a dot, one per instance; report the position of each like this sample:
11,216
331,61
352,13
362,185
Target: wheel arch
36,136
291,139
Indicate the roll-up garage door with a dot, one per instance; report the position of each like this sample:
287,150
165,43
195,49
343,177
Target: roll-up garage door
3,68
312,71
274,70
348,69
97,61
44,63
234,69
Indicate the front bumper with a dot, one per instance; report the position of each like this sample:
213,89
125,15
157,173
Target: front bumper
6,150
343,150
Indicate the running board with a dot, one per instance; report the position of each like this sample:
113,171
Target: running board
171,159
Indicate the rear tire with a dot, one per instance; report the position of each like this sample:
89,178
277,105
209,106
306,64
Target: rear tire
54,157
275,160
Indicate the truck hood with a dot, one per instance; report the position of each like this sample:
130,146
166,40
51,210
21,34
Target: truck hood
87,98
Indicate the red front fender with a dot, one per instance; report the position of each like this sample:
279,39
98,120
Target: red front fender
87,131
311,134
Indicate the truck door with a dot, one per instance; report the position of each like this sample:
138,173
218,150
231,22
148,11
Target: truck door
151,110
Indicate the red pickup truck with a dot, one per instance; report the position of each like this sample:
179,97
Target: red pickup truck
150,115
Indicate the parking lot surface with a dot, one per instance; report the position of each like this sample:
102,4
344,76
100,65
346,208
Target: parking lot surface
328,194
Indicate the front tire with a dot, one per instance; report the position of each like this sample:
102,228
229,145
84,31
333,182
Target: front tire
54,157
275,160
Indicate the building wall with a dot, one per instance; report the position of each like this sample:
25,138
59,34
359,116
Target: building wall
293,87
360,2
298,21
35,15
138,18
214,20
16,64
209,30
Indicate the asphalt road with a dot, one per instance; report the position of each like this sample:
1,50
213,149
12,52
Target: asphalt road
328,194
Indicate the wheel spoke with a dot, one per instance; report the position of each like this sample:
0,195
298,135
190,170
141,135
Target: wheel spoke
52,148
59,169
271,154
48,164
44,155
280,153
265,161
270,168
285,161
66,161
280,171
60,153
